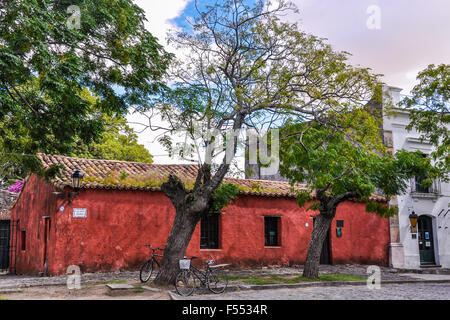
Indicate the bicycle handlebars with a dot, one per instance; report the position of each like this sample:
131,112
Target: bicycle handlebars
209,262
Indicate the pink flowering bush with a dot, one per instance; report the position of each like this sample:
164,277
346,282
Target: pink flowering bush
17,186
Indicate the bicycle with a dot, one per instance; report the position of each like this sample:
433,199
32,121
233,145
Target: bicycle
149,266
213,277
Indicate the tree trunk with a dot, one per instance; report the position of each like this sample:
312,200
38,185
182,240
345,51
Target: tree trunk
177,243
321,227
189,208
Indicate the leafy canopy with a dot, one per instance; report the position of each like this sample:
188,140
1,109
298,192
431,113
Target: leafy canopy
339,163
45,65
118,141
429,108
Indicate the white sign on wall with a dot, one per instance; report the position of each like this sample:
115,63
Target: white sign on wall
79,212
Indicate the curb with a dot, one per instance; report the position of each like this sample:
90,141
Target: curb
244,287
425,271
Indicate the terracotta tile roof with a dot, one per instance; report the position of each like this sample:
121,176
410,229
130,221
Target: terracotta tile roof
112,174
123,175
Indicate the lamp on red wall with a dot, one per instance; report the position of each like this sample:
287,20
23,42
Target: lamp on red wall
77,180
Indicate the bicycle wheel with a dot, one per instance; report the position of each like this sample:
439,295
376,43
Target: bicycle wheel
146,271
218,281
185,283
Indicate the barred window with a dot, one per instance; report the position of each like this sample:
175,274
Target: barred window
271,231
209,232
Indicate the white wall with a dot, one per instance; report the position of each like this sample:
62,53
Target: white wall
435,206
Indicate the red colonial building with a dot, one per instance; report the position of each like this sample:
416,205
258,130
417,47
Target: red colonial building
120,208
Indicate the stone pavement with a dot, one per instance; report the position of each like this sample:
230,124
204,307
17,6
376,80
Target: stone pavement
387,274
416,291
23,281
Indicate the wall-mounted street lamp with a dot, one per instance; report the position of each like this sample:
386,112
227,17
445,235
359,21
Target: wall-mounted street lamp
413,220
77,180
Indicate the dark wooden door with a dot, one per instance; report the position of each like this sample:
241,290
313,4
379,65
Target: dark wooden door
4,244
46,237
426,243
325,255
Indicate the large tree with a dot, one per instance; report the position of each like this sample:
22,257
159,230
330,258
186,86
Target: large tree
242,67
429,107
47,59
117,142
340,162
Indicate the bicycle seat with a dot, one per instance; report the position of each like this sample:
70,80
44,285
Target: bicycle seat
209,262
148,245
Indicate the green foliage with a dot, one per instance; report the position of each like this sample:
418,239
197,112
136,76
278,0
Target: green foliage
304,196
117,142
340,163
381,210
223,196
45,66
429,108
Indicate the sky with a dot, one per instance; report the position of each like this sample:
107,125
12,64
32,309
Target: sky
396,38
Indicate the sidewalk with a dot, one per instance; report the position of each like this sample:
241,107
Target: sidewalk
388,275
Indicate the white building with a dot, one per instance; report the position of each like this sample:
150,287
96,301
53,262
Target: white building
430,246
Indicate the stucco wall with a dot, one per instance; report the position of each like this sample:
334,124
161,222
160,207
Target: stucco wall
36,201
120,223
365,237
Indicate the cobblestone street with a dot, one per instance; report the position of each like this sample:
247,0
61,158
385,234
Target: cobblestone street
9,281
420,291
21,281
94,284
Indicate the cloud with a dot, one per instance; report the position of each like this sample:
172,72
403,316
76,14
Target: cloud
413,33
160,15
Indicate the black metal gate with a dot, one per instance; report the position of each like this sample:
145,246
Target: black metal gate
4,244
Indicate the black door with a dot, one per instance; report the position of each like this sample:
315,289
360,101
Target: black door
426,244
325,255
4,244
